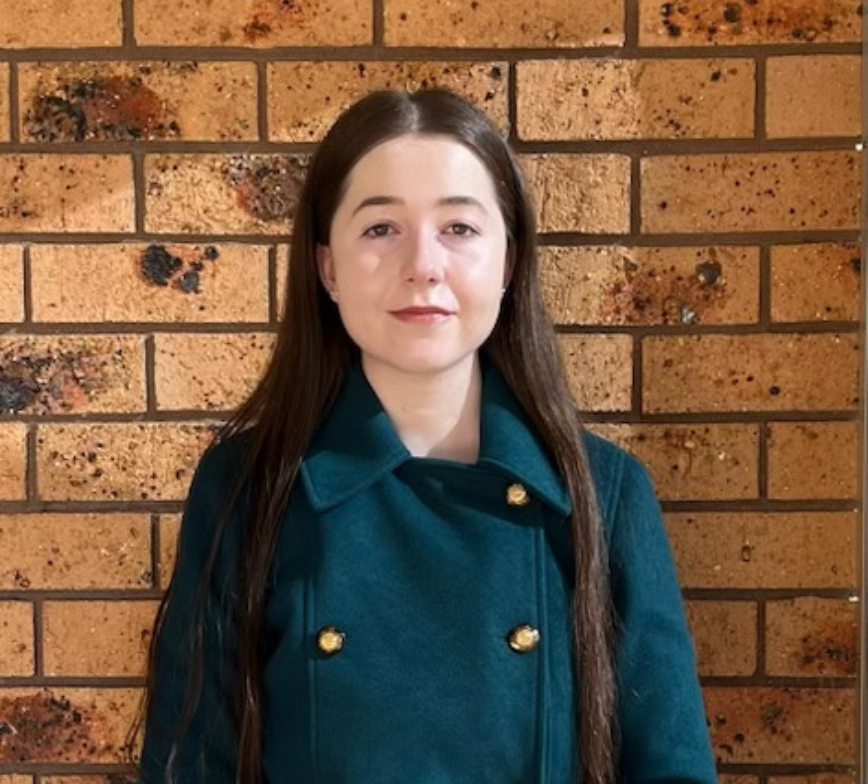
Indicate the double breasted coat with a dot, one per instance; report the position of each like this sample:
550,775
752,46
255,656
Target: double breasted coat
417,619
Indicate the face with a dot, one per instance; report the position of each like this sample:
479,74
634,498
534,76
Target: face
417,255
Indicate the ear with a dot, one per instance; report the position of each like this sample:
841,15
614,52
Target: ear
325,266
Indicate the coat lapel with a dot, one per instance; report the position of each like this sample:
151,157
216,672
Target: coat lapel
356,445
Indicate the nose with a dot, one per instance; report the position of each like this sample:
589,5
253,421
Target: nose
424,260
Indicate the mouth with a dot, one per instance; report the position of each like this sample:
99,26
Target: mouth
422,315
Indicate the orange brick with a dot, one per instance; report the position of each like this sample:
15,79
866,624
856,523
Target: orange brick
587,193
811,636
107,779
305,98
634,99
75,551
14,778
817,778
800,103
772,372
643,286
170,525
57,23
708,462
4,102
774,191
72,374
259,23
66,193
164,283
97,638
16,633
816,282
813,459
782,725
223,194
13,464
130,461
704,22
211,372
547,23
599,370
122,101
724,635
66,724
11,283
724,778
764,549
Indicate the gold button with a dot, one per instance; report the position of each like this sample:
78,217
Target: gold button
330,639
516,495
523,638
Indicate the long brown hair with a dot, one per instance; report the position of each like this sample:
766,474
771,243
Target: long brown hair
311,356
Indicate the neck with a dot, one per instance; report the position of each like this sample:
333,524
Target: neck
435,415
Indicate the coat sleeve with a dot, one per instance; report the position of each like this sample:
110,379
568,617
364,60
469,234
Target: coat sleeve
664,735
208,751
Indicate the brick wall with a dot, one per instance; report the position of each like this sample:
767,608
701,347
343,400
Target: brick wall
698,193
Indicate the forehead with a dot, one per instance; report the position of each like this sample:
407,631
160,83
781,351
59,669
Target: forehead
420,166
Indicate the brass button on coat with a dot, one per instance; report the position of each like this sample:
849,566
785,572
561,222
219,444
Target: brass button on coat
523,638
516,495
330,639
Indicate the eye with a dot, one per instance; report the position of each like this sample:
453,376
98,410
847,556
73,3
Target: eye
377,230
462,229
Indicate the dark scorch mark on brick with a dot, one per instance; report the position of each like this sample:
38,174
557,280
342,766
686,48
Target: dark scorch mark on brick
266,186
830,649
42,727
115,108
271,15
662,296
162,268
57,381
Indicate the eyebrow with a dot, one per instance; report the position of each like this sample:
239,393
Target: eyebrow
373,201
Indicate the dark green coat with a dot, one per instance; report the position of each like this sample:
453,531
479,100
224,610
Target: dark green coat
425,568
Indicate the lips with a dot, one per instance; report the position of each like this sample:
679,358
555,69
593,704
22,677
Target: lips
422,311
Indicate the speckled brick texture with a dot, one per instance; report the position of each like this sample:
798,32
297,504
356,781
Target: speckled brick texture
66,724
305,98
715,23
644,286
755,550
635,99
154,283
116,101
546,23
96,638
696,185
253,23
208,372
800,103
11,283
58,193
779,191
58,23
693,462
724,636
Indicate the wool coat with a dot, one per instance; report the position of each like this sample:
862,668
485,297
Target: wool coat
417,622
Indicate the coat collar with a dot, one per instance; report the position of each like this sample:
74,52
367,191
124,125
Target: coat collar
356,445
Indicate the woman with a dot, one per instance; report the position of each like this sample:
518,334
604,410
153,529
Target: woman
405,560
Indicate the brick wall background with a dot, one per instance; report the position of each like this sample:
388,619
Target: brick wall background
698,186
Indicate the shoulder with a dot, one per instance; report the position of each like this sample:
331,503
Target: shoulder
219,464
620,478
210,491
